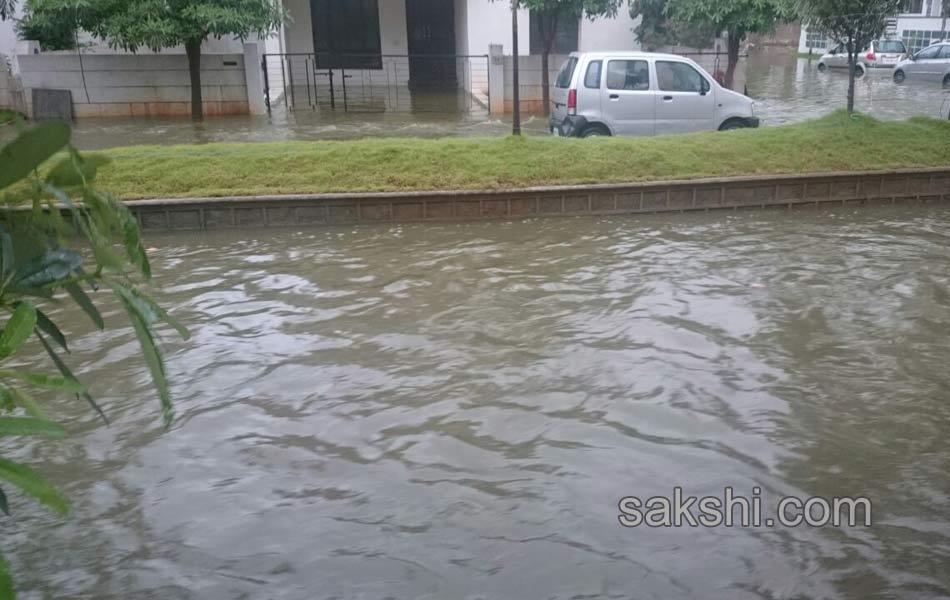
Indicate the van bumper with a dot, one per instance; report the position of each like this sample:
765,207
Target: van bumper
571,126
752,121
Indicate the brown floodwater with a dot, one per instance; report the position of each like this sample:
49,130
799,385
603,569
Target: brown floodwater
454,411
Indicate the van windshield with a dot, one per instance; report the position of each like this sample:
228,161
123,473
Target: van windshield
890,46
567,73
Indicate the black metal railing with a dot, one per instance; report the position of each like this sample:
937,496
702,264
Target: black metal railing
377,82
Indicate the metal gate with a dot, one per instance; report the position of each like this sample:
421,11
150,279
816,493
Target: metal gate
445,83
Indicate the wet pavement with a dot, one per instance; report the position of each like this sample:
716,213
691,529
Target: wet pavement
787,89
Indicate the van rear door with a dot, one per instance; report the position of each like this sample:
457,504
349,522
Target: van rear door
561,86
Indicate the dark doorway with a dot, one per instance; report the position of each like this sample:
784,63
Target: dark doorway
346,34
430,25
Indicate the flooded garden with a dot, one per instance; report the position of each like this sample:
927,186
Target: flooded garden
787,89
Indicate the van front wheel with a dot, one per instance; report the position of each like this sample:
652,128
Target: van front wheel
733,124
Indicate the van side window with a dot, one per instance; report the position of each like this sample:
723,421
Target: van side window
678,77
628,75
592,77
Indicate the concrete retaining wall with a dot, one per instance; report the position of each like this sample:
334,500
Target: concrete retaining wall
783,191
146,84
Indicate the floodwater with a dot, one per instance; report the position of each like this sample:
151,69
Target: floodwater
454,411
786,89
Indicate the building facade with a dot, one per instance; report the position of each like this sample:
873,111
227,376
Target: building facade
920,23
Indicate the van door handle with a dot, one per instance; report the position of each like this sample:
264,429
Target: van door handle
614,96
667,98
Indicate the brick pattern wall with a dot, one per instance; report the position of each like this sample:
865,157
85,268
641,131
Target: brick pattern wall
784,192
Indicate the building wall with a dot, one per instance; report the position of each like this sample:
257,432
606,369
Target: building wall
490,23
144,84
609,34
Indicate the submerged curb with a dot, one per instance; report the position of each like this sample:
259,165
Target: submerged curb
930,185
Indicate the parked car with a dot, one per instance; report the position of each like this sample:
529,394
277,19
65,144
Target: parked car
880,54
642,93
930,64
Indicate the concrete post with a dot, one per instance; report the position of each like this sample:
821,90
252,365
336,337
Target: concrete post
496,79
254,79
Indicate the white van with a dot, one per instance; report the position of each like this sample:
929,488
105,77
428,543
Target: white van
642,93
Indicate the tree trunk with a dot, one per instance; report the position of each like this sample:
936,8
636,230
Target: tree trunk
852,62
193,51
732,53
515,76
548,40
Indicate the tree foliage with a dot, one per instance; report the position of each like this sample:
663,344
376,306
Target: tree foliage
157,24
854,23
6,9
55,30
47,258
737,18
550,14
655,29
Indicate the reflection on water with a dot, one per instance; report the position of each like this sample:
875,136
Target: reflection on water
787,89
453,411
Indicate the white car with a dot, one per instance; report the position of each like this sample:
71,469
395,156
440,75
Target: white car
932,63
642,93
880,54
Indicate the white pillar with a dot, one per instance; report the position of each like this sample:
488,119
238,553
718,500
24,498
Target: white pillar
254,79
496,79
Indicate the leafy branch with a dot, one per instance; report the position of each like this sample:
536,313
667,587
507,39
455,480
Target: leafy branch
45,251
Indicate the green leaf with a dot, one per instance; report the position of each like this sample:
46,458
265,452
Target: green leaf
27,403
64,370
30,426
84,302
153,356
41,380
149,309
7,591
4,505
30,149
47,326
6,255
34,485
50,267
67,173
17,329
6,399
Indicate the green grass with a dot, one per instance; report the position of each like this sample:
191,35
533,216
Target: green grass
832,143
7,115
813,56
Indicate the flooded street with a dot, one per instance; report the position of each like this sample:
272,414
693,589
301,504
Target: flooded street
786,88
454,411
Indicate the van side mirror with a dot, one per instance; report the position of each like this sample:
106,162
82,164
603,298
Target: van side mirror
703,87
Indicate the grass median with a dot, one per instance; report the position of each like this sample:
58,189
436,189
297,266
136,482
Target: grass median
836,142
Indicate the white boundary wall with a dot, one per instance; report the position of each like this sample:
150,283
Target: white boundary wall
146,84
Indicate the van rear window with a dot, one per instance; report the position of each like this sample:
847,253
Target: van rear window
890,46
567,73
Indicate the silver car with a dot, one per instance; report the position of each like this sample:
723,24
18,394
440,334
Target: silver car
880,54
930,64
642,93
